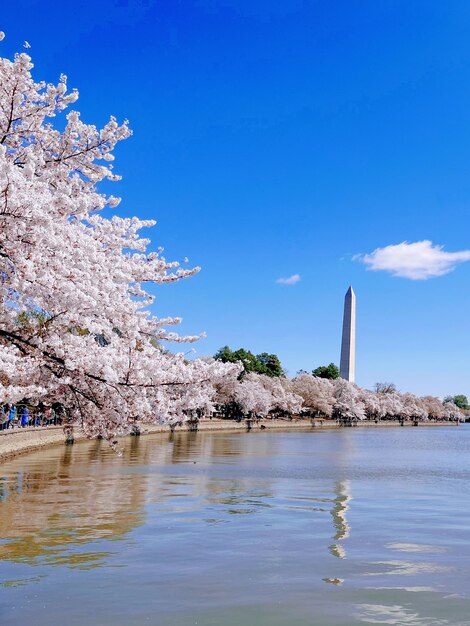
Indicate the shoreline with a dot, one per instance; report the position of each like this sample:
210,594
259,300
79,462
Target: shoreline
17,442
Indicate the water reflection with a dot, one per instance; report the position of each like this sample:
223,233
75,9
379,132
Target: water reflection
415,547
55,505
60,502
338,513
222,529
404,568
397,615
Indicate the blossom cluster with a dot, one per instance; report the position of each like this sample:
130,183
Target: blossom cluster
75,286
258,395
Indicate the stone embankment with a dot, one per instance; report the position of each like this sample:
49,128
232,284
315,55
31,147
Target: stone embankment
22,440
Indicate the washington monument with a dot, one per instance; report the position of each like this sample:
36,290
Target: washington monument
347,365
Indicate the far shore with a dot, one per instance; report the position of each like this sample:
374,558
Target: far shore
24,440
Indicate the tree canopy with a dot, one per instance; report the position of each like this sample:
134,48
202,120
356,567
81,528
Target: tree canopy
264,363
75,285
330,371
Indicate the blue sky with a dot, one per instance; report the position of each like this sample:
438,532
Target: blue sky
274,138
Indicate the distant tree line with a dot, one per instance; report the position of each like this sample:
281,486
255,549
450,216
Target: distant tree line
264,363
268,364
460,400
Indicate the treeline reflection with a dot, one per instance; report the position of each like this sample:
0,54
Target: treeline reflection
57,506
58,503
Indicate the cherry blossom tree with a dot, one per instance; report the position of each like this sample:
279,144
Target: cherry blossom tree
434,407
453,412
75,325
371,402
412,407
348,405
283,399
258,395
391,405
317,393
252,397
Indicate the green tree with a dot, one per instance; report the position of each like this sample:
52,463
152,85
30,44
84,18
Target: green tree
263,363
250,362
327,371
460,400
225,355
270,364
247,358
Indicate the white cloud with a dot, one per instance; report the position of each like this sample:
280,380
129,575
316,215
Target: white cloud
418,261
292,280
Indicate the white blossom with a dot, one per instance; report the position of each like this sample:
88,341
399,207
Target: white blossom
74,320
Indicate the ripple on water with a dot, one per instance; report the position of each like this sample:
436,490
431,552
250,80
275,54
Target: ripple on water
415,547
218,529
397,615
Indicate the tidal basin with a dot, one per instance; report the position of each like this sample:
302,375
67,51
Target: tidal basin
334,528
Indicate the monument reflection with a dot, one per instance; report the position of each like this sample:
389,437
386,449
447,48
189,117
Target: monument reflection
338,513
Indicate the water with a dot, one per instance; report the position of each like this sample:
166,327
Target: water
333,528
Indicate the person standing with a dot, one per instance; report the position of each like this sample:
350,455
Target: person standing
12,416
24,415
48,416
39,415
4,414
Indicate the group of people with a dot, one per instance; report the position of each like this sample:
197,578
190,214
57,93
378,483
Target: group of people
23,414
